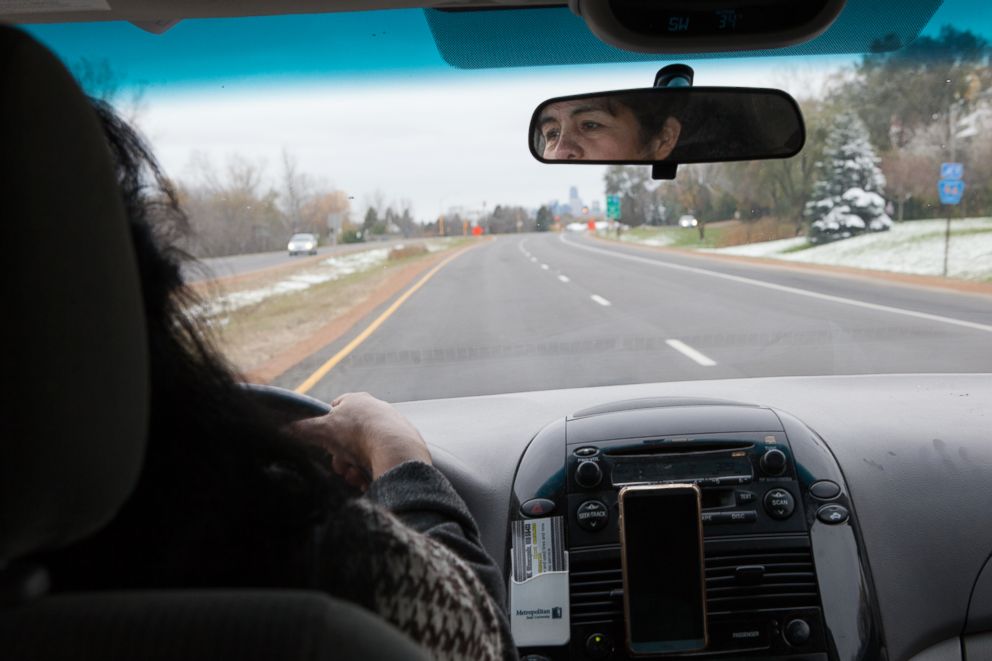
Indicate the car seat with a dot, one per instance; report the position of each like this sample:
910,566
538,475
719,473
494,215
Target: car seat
75,406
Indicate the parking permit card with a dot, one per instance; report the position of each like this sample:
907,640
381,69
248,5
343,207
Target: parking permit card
538,547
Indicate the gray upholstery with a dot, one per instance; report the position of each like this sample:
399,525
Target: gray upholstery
202,626
74,356
75,407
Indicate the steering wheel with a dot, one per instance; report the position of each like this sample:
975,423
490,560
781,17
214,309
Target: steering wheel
286,405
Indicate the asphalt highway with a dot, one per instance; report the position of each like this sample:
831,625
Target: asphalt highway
224,267
542,311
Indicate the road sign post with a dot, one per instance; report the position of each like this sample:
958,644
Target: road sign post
950,188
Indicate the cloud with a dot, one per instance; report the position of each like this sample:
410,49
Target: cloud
458,138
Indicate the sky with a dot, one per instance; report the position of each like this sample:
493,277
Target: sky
364,102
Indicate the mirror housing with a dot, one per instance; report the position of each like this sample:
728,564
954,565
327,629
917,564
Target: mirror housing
672,125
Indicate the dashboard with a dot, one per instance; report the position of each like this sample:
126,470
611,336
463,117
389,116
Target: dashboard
843,518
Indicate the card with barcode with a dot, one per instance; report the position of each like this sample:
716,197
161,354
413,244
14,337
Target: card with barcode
538,547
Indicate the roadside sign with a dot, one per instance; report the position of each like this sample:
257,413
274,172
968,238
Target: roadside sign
951,171
950,188
613,207
950,191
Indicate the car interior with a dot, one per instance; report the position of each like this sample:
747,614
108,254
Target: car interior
838,517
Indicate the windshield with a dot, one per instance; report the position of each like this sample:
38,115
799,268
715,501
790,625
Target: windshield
450,262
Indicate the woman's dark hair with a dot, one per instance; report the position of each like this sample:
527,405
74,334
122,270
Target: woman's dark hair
222,488
651,115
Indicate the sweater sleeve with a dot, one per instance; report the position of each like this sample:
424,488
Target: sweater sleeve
423,499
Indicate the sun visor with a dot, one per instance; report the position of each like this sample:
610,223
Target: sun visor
499,38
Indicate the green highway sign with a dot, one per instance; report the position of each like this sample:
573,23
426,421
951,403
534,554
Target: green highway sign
613,207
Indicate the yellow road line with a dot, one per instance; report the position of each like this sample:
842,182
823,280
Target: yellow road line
322,371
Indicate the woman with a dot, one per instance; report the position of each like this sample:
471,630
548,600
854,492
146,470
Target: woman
228,498
617,128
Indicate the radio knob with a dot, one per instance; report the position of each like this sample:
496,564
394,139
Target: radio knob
773,462
588,474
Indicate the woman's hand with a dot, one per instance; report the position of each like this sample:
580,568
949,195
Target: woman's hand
365,437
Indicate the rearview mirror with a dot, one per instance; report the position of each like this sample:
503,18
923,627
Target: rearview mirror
668,125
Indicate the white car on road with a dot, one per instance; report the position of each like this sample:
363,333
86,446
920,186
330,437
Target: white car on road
302,243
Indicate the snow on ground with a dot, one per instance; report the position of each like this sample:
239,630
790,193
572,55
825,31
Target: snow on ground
909,247
660,240
762,249
333,268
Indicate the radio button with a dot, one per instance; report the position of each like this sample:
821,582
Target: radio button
746,516
744,497
733,480
588,474
774,462
832,514
586,452
779,504
592,515
824,490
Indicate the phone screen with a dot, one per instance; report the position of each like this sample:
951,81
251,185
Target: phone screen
664,602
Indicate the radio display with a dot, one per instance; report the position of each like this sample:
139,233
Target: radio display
634,470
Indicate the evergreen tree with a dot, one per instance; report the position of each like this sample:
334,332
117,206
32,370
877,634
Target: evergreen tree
544,219
848,193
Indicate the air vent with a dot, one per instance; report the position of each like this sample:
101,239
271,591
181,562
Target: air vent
737,580
759,580
596,595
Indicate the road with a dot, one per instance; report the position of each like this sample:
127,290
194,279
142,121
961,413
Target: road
540,311
224,267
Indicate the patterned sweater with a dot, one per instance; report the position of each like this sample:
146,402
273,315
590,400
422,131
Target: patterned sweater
431,577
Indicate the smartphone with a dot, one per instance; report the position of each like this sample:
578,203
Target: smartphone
664,589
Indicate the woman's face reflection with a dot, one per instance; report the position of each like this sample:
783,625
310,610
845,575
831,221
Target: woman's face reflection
600,129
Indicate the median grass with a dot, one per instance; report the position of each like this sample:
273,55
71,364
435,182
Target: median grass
253,334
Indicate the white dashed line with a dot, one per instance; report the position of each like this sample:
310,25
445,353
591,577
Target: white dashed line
534,259
599,299
686,350
545,267
783,288
563,278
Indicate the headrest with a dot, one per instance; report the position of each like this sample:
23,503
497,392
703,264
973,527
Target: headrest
74,364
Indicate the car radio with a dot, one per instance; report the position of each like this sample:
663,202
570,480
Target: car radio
761,512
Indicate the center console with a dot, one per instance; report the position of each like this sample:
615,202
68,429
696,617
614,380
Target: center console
783,570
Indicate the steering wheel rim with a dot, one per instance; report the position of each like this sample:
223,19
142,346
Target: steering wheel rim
286,402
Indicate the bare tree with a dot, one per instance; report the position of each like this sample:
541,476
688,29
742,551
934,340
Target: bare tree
297,193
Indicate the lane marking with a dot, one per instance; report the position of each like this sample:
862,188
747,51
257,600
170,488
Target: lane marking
688,351
563,278
534,259
524,251
322,371
599,299
791,290
544,267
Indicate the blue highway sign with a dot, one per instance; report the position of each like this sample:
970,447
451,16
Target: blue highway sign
951,171
950,190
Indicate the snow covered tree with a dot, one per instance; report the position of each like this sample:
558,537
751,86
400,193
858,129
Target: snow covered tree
847,196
